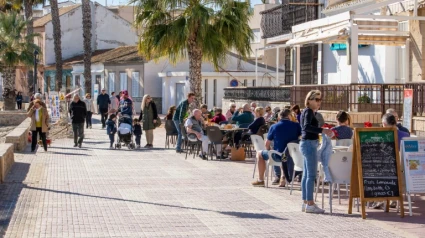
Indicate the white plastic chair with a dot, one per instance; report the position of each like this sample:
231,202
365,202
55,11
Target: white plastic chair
340,168
297,157
344,142
259,145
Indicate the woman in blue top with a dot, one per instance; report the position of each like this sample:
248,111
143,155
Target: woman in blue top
310,131
343,130
258,122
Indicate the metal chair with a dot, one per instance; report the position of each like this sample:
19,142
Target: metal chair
216,138
171,133
191,146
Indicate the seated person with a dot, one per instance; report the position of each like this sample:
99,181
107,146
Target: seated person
243,115
205,113
275,116
195,125
281,134
269,114
258,122
230,112
219,117
343,130
399,126
170,113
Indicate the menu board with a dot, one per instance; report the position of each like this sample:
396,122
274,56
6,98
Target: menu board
376,173
413,151
379,164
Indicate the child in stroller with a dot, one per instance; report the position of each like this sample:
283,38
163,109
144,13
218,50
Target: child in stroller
125,132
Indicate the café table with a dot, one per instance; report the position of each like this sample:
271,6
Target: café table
232,133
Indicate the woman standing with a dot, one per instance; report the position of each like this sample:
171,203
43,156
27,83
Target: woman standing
39,124
19,100
149,117
310,131
90,109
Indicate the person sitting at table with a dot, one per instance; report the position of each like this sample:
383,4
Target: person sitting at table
296,111
281,134
343,130
269,114
389,120
230,112
243,115
258,122
205,113
219,117
195,125
275,116
399,126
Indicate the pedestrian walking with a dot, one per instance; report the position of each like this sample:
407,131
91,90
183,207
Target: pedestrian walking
103,104
310,131
39,123
78,112
90,110
19,100
178,117
149,117
137,131
126,105
111,129
115,102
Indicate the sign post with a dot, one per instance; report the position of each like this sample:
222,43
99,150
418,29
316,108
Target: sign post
375,172
413,154
408,108
54,106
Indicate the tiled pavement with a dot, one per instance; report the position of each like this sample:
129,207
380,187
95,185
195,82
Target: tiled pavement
97,192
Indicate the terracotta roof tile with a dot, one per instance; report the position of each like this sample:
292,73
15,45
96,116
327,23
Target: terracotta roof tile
47,18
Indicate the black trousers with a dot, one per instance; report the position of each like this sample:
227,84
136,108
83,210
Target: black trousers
104,115
34,140
88,119
78,129
138,137
19,105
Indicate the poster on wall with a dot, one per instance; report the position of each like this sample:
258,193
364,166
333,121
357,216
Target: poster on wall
54,106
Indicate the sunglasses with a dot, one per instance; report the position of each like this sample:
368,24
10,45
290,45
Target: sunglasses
317,99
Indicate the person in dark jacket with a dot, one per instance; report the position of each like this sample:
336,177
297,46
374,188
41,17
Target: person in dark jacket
103,104
399,126
258,122
78,113
126,105
111,129
244,117
19,100
137,131
219,117
149,117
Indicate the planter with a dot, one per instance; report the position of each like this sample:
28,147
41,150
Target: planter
9,104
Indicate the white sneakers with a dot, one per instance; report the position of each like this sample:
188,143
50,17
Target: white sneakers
313,209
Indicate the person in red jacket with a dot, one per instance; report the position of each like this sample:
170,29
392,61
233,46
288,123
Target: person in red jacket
219,117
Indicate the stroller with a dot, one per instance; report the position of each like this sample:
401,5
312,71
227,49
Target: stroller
125,133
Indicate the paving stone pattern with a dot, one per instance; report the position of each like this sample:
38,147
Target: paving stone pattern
97,192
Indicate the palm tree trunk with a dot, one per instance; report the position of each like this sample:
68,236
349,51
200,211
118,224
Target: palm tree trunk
87,44
57,41
195,71
30,30
9,93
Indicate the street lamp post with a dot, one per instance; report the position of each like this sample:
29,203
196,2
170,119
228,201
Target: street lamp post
35,70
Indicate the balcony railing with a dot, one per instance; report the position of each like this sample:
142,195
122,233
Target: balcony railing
279,20
348,97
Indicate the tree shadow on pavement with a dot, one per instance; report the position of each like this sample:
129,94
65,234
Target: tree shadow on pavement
10,191
228,213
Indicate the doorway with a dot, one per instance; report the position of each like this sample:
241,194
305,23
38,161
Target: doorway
179,93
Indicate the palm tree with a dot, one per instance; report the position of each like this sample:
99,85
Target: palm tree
195,29
57,41
87,44
15,49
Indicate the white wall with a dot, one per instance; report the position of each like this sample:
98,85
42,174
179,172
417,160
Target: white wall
377,64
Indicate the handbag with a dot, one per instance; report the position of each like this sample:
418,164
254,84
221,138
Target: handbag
158,122
237,154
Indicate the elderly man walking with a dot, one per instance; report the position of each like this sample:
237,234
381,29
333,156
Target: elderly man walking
78,112
103,103
178,118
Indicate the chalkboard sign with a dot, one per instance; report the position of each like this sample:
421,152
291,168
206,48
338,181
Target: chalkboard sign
379,163
376,173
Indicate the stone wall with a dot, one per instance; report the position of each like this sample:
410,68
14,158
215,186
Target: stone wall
6,160
19,136
12,118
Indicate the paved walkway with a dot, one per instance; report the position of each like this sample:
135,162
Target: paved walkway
97,192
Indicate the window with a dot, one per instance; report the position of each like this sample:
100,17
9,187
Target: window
111,78
206,91
257,36
253,83
77,81
123,81
215,93
245,83
99,81
135,84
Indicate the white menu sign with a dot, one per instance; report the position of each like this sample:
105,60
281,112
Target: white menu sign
413,154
